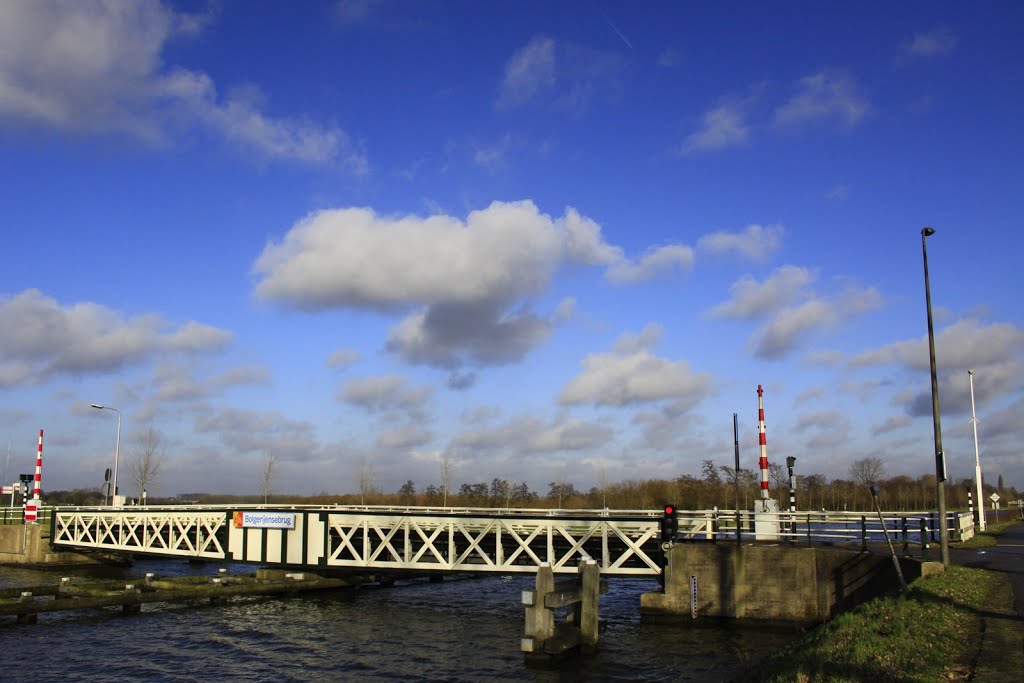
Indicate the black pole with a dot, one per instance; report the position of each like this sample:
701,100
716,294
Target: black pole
940,459
736,479
888,540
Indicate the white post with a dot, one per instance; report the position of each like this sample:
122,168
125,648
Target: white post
977,461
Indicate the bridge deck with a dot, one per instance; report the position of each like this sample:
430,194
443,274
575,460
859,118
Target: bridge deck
374,539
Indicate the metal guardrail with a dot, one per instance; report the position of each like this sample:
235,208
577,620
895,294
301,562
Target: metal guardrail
16,515
910,529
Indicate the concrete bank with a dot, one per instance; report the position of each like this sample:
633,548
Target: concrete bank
771,582
29,544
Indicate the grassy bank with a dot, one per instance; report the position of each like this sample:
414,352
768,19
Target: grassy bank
931,634
987,538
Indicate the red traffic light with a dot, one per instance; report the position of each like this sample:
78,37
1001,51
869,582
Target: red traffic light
670,509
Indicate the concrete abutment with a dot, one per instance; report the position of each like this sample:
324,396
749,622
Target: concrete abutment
770,582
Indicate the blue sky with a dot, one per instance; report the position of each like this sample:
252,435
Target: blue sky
545,241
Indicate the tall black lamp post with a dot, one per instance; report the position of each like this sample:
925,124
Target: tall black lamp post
940,458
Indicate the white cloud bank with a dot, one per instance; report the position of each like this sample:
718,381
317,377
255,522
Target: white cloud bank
792,311
93,66
41,339
468,281
631,375
992,351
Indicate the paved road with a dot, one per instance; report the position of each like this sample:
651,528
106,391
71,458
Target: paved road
1006,557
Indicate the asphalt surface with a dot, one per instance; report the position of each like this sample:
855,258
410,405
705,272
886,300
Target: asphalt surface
1007,557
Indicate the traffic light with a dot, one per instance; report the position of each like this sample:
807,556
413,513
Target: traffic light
669,523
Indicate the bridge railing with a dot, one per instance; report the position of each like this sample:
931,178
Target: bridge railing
918,529
16,515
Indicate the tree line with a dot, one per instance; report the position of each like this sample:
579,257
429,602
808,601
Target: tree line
716,486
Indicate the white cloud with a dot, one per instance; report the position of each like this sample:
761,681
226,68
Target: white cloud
722,127
383,393
469,281
492,157
826,94
992,351
97,66
354,258
752,299
792,308
891,424
936,43
246,431
528,72
755,243
405,437
631,374
792,326
780,335
584,242
342,358
829,419
41,339
656,262
450,336
963,345
532,435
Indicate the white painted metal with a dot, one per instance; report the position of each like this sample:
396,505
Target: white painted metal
178,533
380,540
491,544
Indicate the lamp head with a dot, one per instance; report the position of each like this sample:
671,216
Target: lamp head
96,405
928,232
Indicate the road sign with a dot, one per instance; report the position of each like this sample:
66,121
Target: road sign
994,497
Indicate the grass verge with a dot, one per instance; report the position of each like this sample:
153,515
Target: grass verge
987,538
931,634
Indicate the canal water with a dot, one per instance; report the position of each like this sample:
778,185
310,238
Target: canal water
464,629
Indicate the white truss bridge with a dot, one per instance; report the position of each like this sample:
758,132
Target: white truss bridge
374,539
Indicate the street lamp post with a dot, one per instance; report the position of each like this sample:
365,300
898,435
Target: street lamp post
977,461
940,458
117,443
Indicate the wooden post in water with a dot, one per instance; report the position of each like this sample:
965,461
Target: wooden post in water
540,621
544,640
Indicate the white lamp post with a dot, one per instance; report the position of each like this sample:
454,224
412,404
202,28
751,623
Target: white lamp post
977,461
117,443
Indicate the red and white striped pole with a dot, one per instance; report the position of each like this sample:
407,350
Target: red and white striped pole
32,506
762,439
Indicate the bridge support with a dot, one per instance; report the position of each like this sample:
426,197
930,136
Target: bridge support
769,582
545,639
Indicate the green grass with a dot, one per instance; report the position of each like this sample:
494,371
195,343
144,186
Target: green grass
931,634
987,538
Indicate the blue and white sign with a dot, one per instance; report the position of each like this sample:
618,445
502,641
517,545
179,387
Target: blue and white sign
264,520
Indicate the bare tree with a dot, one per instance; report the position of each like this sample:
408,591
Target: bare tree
366,478
866,471
603,481
144,466
779,476
269,463
446,477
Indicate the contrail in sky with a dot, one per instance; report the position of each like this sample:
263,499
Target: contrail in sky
616,29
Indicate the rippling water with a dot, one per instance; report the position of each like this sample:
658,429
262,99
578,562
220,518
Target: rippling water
458,630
